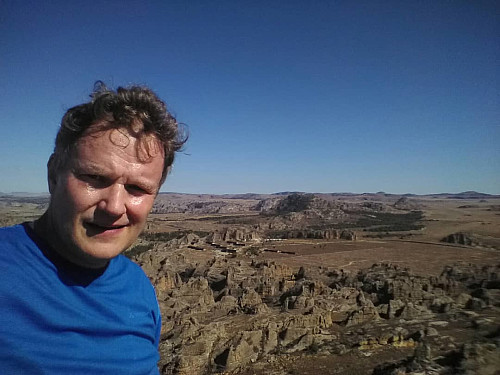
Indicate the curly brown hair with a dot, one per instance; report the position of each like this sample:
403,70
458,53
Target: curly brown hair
120,109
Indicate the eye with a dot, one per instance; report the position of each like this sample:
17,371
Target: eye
136,190
93,179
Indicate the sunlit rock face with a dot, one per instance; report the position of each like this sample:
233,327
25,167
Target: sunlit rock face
228,314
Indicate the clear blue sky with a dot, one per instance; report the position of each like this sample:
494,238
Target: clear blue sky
317,96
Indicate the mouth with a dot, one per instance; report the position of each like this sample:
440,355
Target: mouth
96,228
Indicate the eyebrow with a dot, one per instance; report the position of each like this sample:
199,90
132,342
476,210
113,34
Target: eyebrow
88,167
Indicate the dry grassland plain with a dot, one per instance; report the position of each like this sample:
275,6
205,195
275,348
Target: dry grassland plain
421,250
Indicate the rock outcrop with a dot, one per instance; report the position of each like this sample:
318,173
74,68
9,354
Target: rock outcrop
230,313
461,238
407,204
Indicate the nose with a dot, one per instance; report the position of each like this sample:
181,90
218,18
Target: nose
113,200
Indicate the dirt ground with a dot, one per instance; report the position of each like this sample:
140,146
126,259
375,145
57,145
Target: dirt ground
422,258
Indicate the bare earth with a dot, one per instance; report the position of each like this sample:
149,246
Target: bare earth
423,258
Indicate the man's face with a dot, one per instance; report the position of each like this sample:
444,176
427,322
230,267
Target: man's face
101,199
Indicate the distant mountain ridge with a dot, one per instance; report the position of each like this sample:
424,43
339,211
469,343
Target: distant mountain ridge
463,195
257,196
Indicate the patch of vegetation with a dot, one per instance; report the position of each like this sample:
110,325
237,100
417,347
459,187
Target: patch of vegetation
281,234
239,220
220,218
389,235
253,250
294,203
168,236
296,233
389,222
379,222
313,348
328,226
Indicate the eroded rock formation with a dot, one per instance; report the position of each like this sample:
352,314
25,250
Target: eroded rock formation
230,313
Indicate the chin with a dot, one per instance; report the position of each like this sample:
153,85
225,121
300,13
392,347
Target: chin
105,253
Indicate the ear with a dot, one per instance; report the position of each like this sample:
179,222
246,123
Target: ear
51,173
166,172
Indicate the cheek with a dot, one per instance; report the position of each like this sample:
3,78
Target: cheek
81,198
139,207
136,201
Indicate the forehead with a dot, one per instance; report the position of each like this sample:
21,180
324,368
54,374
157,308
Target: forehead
119,151
133,143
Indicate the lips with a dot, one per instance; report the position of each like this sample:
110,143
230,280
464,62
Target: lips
96,228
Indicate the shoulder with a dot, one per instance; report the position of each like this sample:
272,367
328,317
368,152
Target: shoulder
19,241
23,266
15,238
13,233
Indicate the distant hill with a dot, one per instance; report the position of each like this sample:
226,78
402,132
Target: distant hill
40,199
25,196
464,195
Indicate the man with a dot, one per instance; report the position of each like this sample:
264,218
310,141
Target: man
70,303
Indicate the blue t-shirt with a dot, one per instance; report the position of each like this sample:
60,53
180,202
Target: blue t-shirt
59,318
